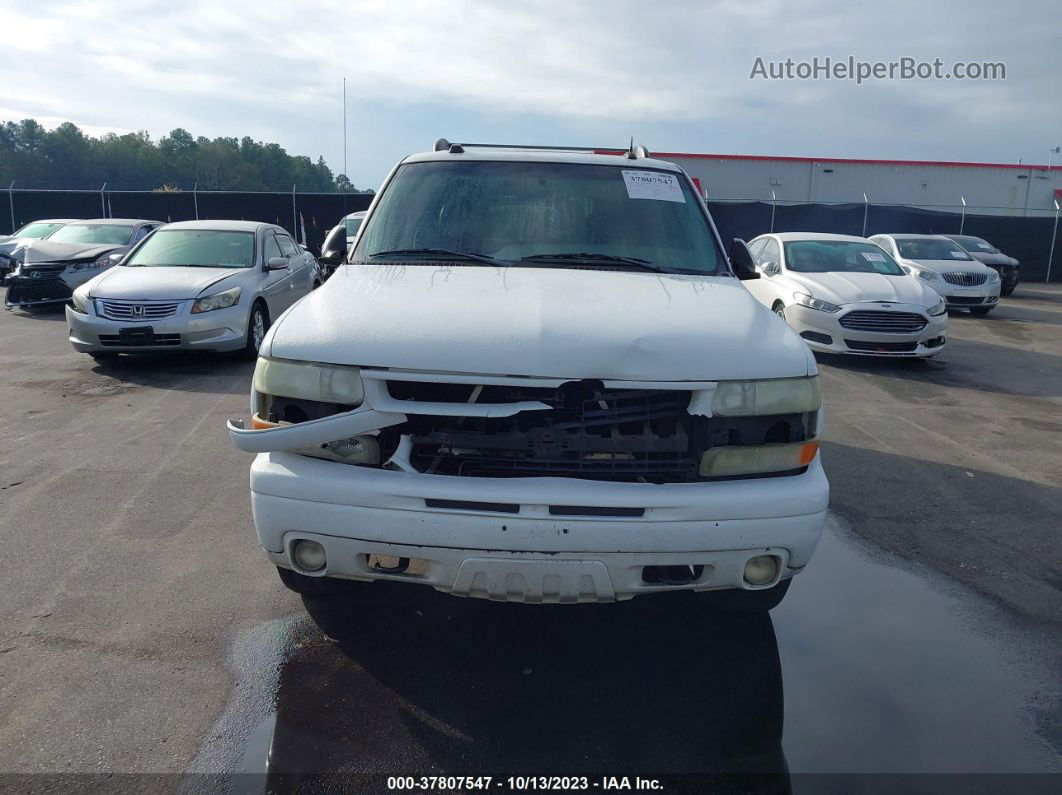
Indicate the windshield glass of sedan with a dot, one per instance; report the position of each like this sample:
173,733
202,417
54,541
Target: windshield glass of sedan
826,256
101,234
37,230
976,244
931,248
512,210
195,248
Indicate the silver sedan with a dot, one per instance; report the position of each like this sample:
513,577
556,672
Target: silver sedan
192,285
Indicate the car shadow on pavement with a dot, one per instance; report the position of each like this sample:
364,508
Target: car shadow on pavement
49,312
966,364
192,371
418,681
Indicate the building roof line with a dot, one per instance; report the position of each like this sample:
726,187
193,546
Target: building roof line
848,160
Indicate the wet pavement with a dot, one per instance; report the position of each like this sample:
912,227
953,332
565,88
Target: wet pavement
868,666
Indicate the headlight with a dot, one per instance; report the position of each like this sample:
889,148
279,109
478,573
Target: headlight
760,459
777,396
814,303
103,262
926,276
324,383
993,276
222,300
81,301
938,310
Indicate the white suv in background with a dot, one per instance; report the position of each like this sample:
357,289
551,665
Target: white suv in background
962,281
537,379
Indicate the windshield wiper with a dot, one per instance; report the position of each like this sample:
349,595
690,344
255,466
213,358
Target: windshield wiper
458,255
644,264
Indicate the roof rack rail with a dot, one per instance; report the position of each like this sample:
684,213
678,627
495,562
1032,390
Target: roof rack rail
633,152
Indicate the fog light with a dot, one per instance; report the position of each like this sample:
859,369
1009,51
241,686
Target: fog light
308,555
761,570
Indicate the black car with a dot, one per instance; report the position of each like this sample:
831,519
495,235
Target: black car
985,252
48,271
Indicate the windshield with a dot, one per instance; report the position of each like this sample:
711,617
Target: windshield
195,248
930,248
827,256
975,244
352,226
38,229
93,233
512,211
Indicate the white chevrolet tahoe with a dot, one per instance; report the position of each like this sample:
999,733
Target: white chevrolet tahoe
537,378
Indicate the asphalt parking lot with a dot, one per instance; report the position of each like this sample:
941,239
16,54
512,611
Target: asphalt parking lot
143,632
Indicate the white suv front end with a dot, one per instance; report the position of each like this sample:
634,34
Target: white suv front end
536,432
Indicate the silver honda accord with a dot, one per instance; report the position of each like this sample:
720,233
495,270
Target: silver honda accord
192,285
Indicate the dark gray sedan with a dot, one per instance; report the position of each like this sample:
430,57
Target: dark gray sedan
980,249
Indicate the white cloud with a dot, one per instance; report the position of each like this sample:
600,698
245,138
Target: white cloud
274,69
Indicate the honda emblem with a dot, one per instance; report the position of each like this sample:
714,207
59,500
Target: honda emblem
138,310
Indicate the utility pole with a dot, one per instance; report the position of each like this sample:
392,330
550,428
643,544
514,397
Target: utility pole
345,129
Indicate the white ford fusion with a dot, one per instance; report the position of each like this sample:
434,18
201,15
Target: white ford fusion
843,294
538,378
961,280
193,285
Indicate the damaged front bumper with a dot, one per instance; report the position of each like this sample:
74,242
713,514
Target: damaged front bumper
516,538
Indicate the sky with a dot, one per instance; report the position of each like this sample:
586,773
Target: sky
674,75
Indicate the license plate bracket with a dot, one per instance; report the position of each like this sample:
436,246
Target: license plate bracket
137,335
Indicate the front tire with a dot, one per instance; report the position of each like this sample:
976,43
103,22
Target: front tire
981,311
779,309
257,326
738,600
1009,284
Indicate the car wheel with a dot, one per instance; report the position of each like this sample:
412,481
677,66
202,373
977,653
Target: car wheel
257,326
738,600
981,311
779,309
1008,286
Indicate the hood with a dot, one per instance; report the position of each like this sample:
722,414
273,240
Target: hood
544,322
176,282
998,258
852,288
44,251
948,265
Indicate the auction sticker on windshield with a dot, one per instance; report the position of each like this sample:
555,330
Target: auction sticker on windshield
653,185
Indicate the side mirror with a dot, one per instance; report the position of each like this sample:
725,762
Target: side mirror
771,268
741,260
116,258
277,263
334,248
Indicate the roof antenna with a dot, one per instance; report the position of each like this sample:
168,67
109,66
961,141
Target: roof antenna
636,151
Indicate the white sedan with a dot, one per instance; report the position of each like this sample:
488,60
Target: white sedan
843,294
962,281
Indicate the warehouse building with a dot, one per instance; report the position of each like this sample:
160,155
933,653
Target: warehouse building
988,188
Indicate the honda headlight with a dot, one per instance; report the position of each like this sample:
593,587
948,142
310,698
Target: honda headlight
815,303
938,310
775,396
324,383
222,300
80,301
